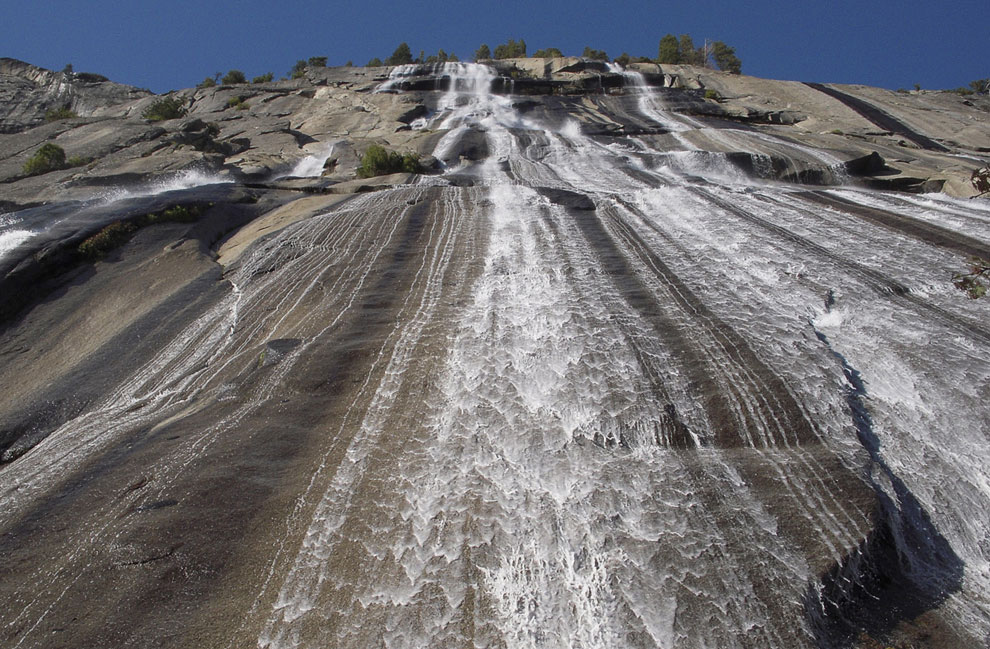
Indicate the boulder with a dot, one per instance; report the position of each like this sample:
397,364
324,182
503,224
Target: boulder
867,165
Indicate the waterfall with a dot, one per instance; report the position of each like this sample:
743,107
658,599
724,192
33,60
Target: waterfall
586,389
186,179
11,233
571,462
311,166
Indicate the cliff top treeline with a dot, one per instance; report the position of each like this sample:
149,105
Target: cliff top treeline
671,49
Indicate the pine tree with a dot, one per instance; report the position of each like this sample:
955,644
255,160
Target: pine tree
688,54
669,51
511,50
594,55
725,58
482,53
400,56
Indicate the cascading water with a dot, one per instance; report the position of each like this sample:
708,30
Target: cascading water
579,401
186,179
312,165
11,233
544,488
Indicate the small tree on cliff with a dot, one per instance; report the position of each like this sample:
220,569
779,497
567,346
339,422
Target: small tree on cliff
401,56
594,55
669,51
298,70
688,53
232,77
511,50
725,58
482,53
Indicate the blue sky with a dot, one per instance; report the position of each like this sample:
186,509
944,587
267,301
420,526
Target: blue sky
169,45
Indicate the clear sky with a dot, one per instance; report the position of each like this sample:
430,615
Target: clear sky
165,45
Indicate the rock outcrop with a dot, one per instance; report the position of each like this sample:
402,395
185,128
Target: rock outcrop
27,92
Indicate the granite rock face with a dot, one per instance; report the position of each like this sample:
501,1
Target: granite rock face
271,126
641,358
27,92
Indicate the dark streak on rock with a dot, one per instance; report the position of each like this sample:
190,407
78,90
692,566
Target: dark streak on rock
902,569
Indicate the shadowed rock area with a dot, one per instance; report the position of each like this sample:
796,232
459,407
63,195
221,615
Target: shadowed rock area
618,366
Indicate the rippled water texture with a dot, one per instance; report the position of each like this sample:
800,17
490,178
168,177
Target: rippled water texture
603,395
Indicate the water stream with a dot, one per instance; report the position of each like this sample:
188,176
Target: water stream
544,501
621,400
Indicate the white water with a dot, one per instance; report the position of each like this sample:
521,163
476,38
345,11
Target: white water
11,235
576,546
651,106
312,166
509,474
171,182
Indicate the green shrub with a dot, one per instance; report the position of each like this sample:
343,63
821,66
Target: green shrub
176,214
548,53
690,55
56,114
264,78
725,58
401,56
116,234
377,161
440,57
713,94
374,63
78,161
594,55
112,236
511,50
298,70
208,82
238,103
164,108
317,62
232,77
48,157
669,50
